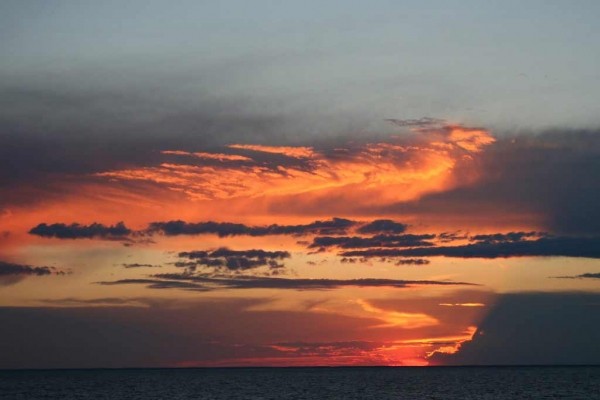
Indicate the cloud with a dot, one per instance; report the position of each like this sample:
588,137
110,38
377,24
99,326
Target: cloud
398,168
332,226
294,152
107,332
547,246
548,176
233,260
395,318
354,242
424,122
224,229
59,131
11,273
73,334
587,275
18,269
138,265
534,329
77,231
207,156
383,226
158,284
207,283
506,237
412,261
324,349
102,302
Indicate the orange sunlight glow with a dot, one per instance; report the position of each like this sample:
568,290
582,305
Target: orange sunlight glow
210,156
398,319
399,170
295,152
451,348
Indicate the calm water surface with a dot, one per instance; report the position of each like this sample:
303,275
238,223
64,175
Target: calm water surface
306,383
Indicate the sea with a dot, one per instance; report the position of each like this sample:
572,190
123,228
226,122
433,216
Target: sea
305,383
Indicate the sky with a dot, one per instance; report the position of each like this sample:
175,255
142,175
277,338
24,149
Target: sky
401,183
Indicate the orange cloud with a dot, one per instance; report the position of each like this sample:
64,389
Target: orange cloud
209,156
472,140
451,348
374,173
295,152
398,319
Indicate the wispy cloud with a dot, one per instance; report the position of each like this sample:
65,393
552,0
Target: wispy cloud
409,167
587,275
207,283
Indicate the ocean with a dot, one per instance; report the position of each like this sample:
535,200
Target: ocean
305,383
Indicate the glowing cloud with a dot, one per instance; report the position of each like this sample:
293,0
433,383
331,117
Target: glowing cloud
462,304
294,152
399,170
209,156
398,319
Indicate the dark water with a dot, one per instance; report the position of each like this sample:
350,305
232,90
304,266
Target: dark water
306,383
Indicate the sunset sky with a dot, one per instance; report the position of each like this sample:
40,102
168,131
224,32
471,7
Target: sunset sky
256,183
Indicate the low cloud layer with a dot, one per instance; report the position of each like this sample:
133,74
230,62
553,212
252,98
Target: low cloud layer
544,247
378,238
207,283
354,242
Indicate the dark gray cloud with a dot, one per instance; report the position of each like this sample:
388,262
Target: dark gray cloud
224,229
587,275
506,237
18,269
57,132
452,236
511,244
551,246
552,174
11,273
383,226
206,283
77,231
138,265
104,335
333,226
233,260
534,328
355,242
590,275
424,122
159,284
325,349
102,301
412,261
395,260
92,130
72,334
